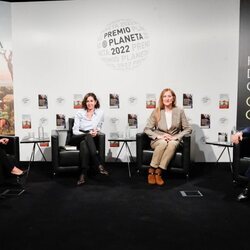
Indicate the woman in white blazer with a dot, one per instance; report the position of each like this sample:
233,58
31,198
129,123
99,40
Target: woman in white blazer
166,126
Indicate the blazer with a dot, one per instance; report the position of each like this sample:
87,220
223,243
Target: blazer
178,129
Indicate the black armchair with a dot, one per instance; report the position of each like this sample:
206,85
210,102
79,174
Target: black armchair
12,148
69,160
241,160
180,162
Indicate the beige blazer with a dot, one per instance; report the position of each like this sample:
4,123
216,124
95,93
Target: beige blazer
178,129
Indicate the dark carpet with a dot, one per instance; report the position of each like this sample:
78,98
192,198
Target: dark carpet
117,212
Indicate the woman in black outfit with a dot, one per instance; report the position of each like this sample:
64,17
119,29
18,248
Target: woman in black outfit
7,166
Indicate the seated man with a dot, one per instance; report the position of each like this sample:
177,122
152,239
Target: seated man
236,138
6,164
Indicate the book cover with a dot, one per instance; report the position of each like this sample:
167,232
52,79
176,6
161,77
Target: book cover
114,101
77,103
224,101
187,101
205,121
42,101
150,101
132,121
60,121
26,121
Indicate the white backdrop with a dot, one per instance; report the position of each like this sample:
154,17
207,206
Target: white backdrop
193,49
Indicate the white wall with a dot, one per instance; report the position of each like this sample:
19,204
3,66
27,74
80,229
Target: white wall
193,49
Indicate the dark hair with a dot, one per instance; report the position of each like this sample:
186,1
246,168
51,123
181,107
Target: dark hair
84,101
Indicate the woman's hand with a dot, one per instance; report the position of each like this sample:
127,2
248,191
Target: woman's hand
4,141
166,137
93,132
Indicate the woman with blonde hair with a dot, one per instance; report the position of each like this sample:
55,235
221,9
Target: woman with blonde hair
166,126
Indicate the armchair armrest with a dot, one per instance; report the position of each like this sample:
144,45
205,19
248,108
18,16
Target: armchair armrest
142,142
102,144
186,152
12,148
236,153
55,148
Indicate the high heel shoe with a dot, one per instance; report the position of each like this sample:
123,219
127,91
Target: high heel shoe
81,180
102,170
21,178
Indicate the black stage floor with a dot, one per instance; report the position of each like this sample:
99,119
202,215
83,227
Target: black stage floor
117,212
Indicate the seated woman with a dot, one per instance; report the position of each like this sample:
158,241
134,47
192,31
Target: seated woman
87,125
7,166
236,139
166,126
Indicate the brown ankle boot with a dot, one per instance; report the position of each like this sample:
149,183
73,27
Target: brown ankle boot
158,179
151,176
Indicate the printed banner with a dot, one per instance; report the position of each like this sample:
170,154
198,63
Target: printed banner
243,109
6,91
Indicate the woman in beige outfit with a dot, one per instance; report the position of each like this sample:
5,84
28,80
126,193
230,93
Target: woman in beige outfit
166,126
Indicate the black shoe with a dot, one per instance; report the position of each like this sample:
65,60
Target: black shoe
102,170
21,178
244,195
81,180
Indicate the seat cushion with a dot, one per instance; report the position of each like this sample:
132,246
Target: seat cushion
176,161
69,158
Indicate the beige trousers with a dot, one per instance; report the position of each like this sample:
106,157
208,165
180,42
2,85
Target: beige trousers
163,153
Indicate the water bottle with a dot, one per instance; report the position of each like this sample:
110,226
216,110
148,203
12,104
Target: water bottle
40,132
127,134
233,131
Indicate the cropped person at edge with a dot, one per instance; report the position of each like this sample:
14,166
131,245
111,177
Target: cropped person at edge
87,125
236,138
166,126
7,165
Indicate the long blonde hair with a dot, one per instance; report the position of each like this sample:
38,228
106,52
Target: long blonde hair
161,105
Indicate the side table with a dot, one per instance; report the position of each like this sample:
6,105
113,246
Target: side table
225,145
35,142
128,151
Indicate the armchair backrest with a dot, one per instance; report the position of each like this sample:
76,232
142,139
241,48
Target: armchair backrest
70,132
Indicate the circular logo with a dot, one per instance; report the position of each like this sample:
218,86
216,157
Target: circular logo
43,121
248,101
60,100
123,44
132,100
26,100
223,120
248,115
206,100
248,86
